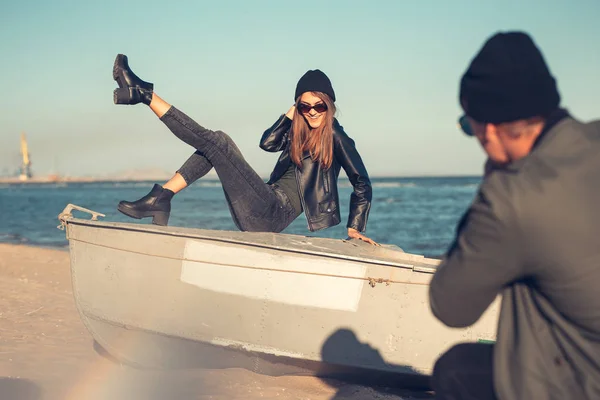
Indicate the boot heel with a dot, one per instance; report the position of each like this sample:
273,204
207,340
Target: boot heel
120,60
122,96
160,218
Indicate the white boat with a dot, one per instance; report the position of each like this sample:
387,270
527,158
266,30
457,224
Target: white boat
170,297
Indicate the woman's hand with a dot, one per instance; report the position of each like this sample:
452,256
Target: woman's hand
354,234
291,111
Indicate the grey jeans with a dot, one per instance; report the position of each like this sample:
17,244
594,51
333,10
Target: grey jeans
254,205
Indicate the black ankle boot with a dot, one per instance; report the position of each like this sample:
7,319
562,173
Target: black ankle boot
132,89
156,204
132,95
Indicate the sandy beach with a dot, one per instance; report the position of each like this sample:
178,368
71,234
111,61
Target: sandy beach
46,352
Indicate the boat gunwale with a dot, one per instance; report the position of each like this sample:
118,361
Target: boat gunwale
423,265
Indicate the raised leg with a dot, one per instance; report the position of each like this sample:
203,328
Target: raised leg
253,204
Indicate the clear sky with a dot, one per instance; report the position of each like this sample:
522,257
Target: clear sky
233,65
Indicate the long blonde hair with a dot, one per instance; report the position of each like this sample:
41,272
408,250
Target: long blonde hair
319,141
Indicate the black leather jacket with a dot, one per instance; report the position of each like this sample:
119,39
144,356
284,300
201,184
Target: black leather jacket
317,186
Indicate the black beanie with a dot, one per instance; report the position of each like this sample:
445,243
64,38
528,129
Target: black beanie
314,81
508,80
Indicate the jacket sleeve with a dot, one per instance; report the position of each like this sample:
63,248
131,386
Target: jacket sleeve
276,137
360,199
483,259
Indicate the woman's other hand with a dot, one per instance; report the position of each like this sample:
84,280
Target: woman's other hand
354,234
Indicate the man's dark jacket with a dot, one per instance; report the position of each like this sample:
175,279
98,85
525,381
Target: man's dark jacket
317,186
532,235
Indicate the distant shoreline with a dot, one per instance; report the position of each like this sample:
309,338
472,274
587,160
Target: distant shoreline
44,180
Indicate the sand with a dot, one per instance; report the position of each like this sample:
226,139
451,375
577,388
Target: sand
46,352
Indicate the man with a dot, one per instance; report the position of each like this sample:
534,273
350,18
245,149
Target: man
531,234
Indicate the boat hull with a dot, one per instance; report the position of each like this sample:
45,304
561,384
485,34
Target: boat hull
276,304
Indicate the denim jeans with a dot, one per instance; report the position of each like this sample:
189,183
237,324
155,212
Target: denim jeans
254,205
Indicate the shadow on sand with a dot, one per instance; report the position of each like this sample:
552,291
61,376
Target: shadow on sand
347,365
343,348
19,389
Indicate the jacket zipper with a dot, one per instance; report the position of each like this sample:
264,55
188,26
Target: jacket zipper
325,182
302,198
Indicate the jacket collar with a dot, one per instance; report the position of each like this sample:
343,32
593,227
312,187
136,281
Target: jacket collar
551,121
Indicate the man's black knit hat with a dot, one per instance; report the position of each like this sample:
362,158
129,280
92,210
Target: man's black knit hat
508,80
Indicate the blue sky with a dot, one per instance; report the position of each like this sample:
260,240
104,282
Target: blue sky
233,65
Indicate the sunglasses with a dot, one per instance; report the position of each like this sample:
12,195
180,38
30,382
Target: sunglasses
465,125
305,108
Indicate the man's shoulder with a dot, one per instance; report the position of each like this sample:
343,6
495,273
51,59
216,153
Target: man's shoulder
569,139
568,145
594,126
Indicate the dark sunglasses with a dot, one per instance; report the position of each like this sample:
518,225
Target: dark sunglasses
465,125
305,108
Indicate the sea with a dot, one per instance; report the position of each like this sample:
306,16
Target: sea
418,214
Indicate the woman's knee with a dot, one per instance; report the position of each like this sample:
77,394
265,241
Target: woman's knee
223,144
228,141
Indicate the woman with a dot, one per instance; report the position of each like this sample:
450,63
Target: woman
313,144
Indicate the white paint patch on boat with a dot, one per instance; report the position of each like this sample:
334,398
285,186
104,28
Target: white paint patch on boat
259,280
222,342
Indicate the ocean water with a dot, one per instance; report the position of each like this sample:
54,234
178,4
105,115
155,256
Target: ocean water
417,214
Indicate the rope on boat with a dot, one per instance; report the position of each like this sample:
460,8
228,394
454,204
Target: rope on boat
372,281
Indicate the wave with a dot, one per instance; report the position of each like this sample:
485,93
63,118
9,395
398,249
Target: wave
209,184
103,185
394,184
382,184
14,238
